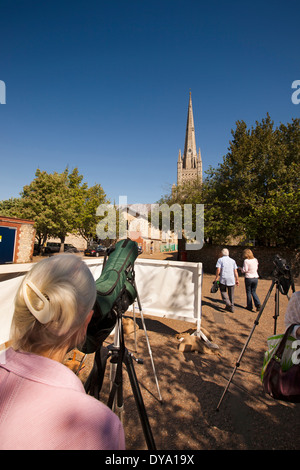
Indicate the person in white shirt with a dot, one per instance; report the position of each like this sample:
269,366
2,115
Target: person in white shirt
227,275
250,268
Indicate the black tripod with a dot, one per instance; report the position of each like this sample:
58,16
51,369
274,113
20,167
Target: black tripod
282,280
119,355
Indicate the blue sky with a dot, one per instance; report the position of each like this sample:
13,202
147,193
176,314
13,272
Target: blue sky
104,85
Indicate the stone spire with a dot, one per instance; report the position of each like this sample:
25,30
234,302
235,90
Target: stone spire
189,166
190,151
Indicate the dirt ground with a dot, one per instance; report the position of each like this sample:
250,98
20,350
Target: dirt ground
191,384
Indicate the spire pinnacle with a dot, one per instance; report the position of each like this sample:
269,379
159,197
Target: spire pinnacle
190,150
189,165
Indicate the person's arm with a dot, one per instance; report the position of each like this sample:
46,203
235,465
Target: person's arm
236,277
218,270
245,267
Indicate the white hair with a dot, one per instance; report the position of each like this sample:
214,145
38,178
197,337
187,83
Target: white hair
225,252
65,283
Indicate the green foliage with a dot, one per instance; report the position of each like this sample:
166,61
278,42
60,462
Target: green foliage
11,207
254,193
59,203
48,201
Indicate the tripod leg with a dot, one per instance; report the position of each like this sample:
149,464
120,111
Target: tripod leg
148,343
115,400
256,322
276,308
116,371
139,401
134,320
94,381
120,355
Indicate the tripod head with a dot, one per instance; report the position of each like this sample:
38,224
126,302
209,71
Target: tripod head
283,275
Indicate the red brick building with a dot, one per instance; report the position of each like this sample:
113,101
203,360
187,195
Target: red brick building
16,240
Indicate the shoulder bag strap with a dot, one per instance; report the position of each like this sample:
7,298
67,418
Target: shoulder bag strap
280,349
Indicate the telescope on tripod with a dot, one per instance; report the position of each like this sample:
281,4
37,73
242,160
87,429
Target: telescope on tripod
283,280
116,291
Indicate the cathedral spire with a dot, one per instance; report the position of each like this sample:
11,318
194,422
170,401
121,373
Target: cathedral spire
190,166
190,150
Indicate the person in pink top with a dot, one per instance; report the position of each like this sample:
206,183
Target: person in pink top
250,268
43,404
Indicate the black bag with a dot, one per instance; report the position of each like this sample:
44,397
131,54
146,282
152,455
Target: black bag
115,290
280,384
214,287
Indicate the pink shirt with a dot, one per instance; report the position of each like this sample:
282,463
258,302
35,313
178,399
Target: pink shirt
250,267
43,406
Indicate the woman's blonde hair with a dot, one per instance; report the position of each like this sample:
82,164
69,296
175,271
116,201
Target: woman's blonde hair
247,253
52,303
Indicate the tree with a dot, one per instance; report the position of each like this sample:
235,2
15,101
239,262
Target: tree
48,201
59,203
11,207
254,192
185,215
92,198
85,202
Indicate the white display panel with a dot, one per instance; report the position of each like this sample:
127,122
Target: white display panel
170,289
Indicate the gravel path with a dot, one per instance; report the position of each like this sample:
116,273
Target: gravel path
192,384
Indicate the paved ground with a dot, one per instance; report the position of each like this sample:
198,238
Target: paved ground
191,384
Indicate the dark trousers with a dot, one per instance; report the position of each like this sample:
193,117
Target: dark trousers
251,285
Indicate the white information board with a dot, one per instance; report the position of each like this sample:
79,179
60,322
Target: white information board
170,289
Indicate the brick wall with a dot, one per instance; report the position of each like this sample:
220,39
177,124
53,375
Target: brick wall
25,236
209,254
25,243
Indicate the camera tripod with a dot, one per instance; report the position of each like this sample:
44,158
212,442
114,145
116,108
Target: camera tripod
119,354
282,287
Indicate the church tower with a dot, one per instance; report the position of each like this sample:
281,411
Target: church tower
189,165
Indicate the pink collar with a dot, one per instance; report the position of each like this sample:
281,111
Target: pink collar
40,369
